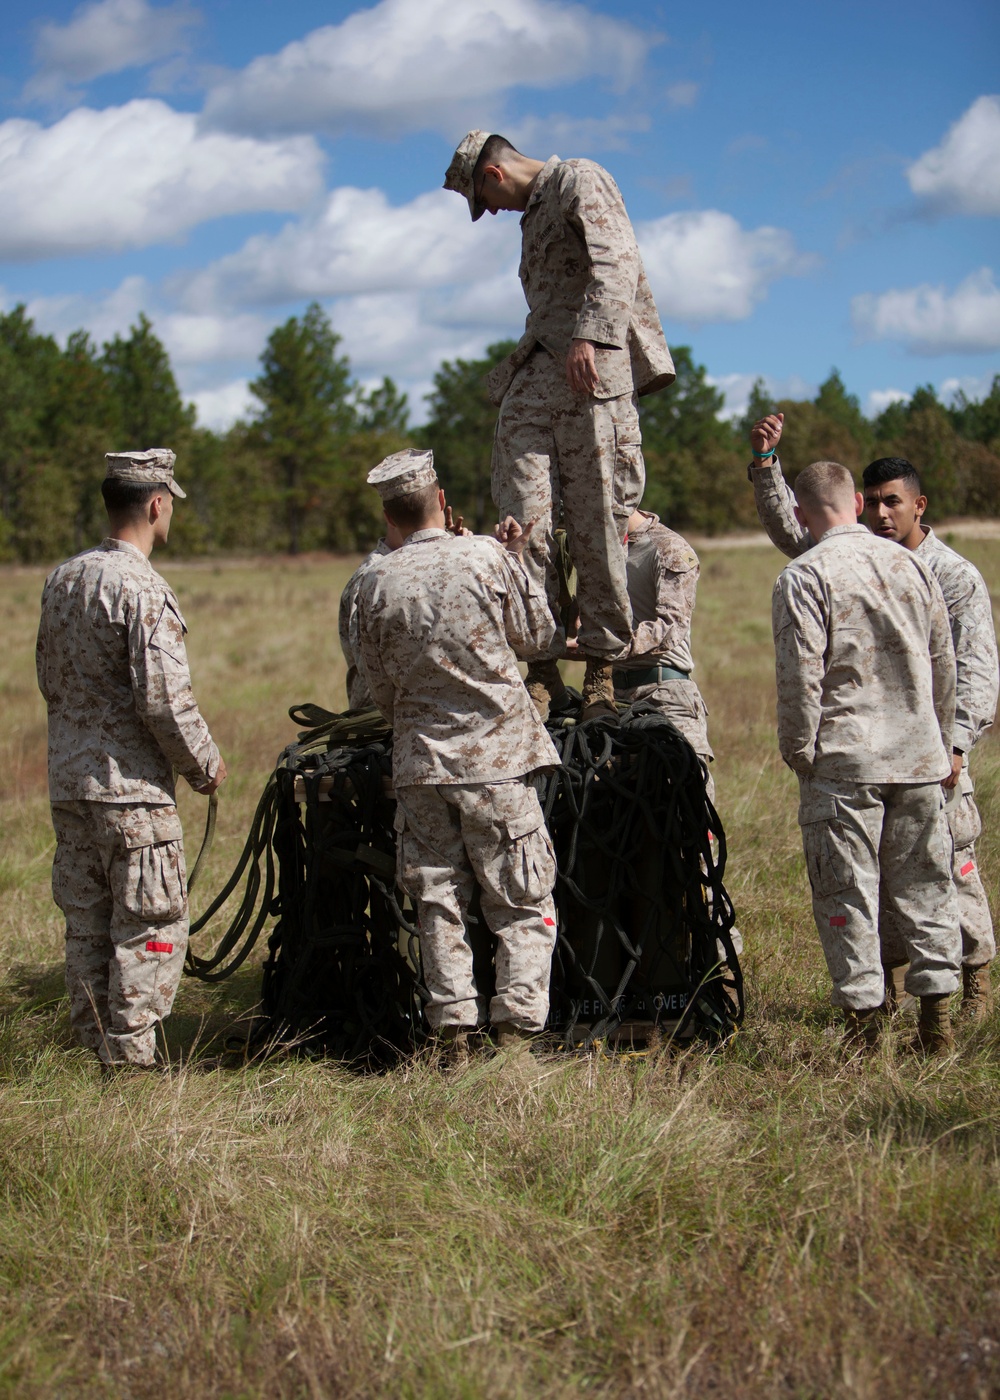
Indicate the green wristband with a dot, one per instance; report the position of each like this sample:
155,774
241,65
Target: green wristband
772,453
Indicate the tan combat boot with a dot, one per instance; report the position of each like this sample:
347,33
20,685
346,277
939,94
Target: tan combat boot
977,996
454,1042
545,686
598,693
511,1037
860,1031
934,1034
897,998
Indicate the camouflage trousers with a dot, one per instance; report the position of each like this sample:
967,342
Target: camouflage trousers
682,704
978,943
450,837
119,878
556,448
868,845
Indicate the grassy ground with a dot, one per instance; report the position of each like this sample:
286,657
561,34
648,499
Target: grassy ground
758,1222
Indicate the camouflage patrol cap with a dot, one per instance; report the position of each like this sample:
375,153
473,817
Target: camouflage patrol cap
402,473
460,172
153,467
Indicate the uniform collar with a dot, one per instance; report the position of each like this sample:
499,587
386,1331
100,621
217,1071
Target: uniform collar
846,530
541,180
419,536
123,547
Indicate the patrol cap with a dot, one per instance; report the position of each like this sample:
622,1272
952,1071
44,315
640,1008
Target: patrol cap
460,172
403,472
152,467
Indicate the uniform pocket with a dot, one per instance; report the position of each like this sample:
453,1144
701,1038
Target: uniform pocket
630,475
527,860
964,821
149,878
832,849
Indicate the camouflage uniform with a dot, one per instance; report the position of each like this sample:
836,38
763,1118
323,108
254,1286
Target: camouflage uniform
971,617
439,624
113,669
359,697
662,572
866,704
583,279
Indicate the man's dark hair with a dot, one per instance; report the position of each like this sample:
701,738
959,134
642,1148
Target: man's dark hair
891,469
129,498
495,149
410,511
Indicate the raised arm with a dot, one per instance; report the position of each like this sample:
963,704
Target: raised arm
800,640
773,496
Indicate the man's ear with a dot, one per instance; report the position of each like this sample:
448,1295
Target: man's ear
800,516
920,505
155,508
440,498
859,504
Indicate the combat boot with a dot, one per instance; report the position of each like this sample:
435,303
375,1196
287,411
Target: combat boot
934,1034
511,1037
598,693
897,998
454,1042
860,1031
545,686
977,995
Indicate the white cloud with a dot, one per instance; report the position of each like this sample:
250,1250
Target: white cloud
559,132
930,321
879,400
105,38
975,387
737,387
103,316
703,266
962,174
125,177
358,242
219,408
682,94
416,64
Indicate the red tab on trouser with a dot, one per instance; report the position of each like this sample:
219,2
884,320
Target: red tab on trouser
159,947
968,868
838,921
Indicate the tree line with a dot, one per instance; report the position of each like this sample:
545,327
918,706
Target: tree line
292,477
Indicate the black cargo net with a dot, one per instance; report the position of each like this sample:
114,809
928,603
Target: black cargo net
644,921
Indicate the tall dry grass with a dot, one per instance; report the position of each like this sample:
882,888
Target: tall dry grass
759,1222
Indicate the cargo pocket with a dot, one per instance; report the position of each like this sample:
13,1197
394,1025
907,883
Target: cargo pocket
828,844
527,861
152,880
964,821
630,473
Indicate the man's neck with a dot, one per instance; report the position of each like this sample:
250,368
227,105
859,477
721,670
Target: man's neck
916,536
141,537
436,522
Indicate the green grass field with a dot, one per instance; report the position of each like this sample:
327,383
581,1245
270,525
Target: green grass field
762,1221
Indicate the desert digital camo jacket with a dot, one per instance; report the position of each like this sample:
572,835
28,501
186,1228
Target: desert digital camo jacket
583,278
440,622
864,661
113,669
965,594
359,697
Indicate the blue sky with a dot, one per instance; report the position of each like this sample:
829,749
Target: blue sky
811,185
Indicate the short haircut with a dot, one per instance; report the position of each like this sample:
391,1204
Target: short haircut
825,486
892,469
129,498
411,510
495,149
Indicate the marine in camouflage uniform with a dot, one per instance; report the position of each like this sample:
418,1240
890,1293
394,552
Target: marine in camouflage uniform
568,429
866,705
662,574
113,669
970,616
441,623
359,697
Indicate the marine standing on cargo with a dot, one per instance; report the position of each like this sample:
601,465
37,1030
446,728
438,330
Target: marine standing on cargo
441,622
568,432
894,504
122,717
866,708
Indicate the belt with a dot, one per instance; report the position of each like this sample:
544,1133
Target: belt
624,679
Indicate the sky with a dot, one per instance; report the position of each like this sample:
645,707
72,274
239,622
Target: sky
812,186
